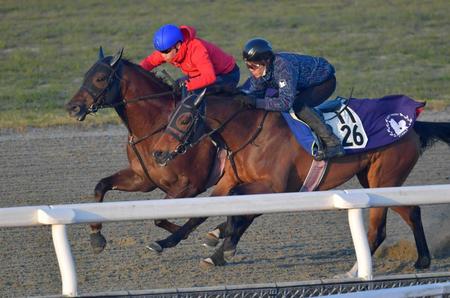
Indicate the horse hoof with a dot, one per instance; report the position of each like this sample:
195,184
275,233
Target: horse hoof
229,254
98,242
155,247
423,263
207,264
211,240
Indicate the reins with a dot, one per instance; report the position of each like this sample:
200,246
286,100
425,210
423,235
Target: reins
230,153
120,109
213,133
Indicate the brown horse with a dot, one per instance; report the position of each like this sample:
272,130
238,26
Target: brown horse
266,158
144,103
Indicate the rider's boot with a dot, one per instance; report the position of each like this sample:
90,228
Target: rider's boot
333,146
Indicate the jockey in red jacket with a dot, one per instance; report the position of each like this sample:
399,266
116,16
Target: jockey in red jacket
202,62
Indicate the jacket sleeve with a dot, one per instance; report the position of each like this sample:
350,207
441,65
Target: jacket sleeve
255,87
153,60
200,58
285,78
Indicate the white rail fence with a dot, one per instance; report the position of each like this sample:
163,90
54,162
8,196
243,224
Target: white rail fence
58,216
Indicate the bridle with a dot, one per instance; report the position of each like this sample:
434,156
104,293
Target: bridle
192,136
99,94
111,96
113,80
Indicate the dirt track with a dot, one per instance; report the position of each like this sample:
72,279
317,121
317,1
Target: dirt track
62,165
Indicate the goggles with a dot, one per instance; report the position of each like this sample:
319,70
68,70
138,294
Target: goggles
253,66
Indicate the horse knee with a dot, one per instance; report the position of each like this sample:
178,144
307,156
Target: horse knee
101,188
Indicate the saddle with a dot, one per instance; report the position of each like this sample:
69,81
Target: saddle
361,124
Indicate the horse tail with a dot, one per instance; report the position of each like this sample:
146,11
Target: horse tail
430,132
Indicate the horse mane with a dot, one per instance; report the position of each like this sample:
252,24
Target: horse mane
163,82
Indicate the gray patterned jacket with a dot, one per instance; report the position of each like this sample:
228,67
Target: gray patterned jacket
288,74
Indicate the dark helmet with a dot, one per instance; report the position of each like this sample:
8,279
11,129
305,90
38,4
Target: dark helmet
257,49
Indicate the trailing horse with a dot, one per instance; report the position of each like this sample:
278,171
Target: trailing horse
266,158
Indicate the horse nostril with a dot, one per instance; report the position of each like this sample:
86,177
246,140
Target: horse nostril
73,108
76,109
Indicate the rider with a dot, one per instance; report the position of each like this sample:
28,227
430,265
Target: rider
203,63
300,81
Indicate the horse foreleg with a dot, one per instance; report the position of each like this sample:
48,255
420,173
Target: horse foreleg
177,236
213,237
124,180
412,216
235,227
167,225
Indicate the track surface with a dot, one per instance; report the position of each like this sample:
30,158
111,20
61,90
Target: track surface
62,165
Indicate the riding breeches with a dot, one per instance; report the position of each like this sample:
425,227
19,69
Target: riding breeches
315,95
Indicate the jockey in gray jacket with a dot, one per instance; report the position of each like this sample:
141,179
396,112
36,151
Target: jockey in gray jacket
281,81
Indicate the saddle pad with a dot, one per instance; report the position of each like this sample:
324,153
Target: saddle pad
362,124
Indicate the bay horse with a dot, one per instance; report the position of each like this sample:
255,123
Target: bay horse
144,103
266,158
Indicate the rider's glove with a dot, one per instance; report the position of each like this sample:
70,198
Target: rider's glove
246,100
179,86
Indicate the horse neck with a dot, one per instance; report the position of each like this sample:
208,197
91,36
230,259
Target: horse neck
147,115
218,112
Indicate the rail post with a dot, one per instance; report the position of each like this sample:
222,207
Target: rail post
57,218
355,204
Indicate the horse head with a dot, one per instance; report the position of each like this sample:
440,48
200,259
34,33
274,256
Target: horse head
185,127
100,88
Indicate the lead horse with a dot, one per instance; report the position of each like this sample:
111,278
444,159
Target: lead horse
144,103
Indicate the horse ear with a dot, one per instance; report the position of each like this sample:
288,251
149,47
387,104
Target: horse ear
117,57
100,53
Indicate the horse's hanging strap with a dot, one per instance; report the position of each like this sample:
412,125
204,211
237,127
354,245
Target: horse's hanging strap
121,112
231,154
315,175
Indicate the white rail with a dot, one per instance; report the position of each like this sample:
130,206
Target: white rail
354,200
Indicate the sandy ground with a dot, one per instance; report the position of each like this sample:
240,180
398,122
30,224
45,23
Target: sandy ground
62,165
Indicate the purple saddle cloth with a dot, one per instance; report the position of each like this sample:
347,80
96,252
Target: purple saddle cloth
361,124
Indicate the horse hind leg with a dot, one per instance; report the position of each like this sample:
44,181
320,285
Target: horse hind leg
389,170
376,233
125,180
412,216
377,226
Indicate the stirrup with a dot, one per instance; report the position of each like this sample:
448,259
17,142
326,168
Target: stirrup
328,153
